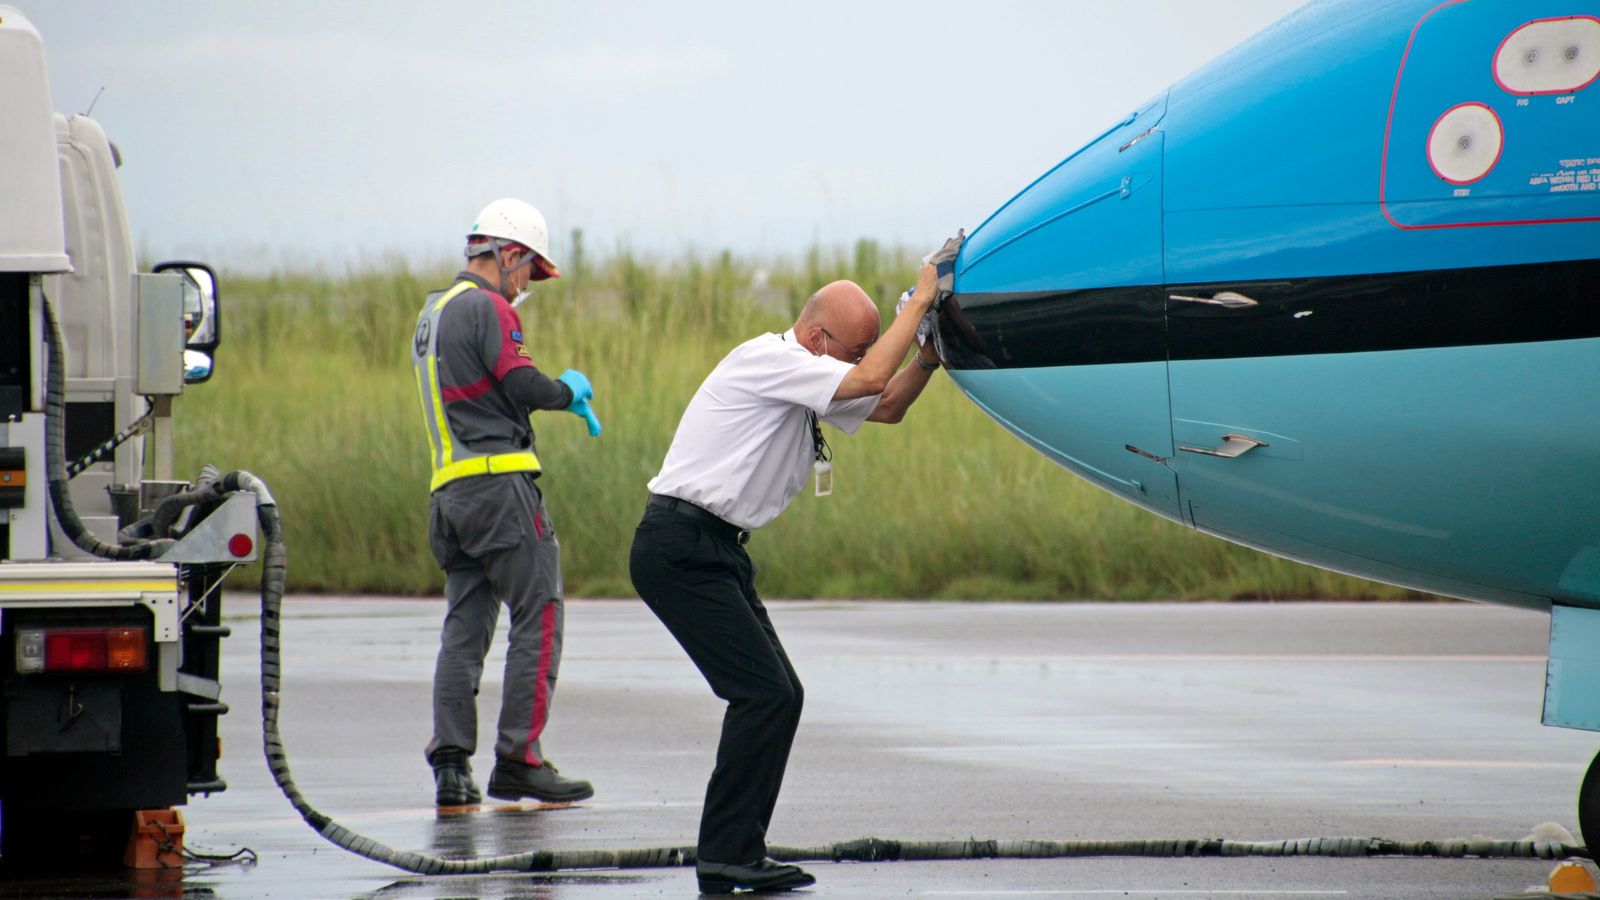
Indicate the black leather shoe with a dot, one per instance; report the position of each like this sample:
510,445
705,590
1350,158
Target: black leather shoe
452,779
514,780
766,875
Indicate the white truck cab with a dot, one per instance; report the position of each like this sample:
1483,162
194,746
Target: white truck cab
110,622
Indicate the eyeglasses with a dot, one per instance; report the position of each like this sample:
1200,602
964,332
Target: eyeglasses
856,361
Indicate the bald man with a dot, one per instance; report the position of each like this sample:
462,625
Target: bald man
747,444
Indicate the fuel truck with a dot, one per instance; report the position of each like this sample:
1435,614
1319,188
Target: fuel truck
110,614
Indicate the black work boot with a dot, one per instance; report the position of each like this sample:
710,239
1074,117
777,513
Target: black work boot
452,779
765,875
514,780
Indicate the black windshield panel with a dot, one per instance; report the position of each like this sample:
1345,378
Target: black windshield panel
1342,314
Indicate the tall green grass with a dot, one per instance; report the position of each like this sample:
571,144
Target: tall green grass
314,393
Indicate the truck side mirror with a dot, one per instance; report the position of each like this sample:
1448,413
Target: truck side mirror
202,325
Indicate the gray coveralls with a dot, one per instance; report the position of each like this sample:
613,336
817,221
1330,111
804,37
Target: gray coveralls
488,527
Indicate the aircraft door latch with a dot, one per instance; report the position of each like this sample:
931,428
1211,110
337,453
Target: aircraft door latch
1232,447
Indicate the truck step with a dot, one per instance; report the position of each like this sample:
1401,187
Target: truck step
214,786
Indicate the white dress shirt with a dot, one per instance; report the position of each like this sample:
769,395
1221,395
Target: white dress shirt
743,448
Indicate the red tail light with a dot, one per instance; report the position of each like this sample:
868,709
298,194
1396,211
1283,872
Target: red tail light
81,650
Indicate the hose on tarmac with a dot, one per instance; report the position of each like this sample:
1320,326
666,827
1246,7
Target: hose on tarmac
878,850
274,573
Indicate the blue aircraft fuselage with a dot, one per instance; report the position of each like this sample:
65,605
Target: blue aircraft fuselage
1336,296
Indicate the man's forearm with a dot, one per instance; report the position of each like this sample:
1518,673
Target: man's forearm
873,374
903,390
536,390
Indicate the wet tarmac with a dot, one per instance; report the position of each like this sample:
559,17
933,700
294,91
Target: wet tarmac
923,722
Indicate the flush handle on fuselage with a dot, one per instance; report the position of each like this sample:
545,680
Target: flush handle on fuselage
1229,299
1233,446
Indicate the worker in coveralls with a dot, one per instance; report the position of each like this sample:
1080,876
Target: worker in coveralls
488,526
747,444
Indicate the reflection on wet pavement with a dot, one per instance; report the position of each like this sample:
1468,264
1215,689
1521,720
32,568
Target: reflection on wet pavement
923,721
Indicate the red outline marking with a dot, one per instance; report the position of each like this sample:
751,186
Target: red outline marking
1388,129
1494,64
541,688
1497,153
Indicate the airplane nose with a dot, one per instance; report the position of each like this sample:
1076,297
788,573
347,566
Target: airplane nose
1056,326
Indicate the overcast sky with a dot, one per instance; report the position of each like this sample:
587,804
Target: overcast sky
260,135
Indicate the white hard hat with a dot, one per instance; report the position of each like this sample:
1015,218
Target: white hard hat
512,220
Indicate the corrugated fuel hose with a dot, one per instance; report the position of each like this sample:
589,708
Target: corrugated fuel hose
274,574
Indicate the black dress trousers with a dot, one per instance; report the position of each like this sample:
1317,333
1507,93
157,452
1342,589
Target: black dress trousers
700,583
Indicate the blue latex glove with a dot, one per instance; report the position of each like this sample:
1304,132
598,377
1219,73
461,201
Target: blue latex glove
582,410
581,389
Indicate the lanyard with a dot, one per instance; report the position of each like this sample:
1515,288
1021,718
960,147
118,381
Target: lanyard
822,469
819,444
822,454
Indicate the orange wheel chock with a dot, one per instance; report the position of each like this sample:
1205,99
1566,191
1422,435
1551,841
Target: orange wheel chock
1571,878
156,840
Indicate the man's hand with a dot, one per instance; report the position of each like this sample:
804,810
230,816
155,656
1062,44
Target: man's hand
582,392
925,327
581,389
922,295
